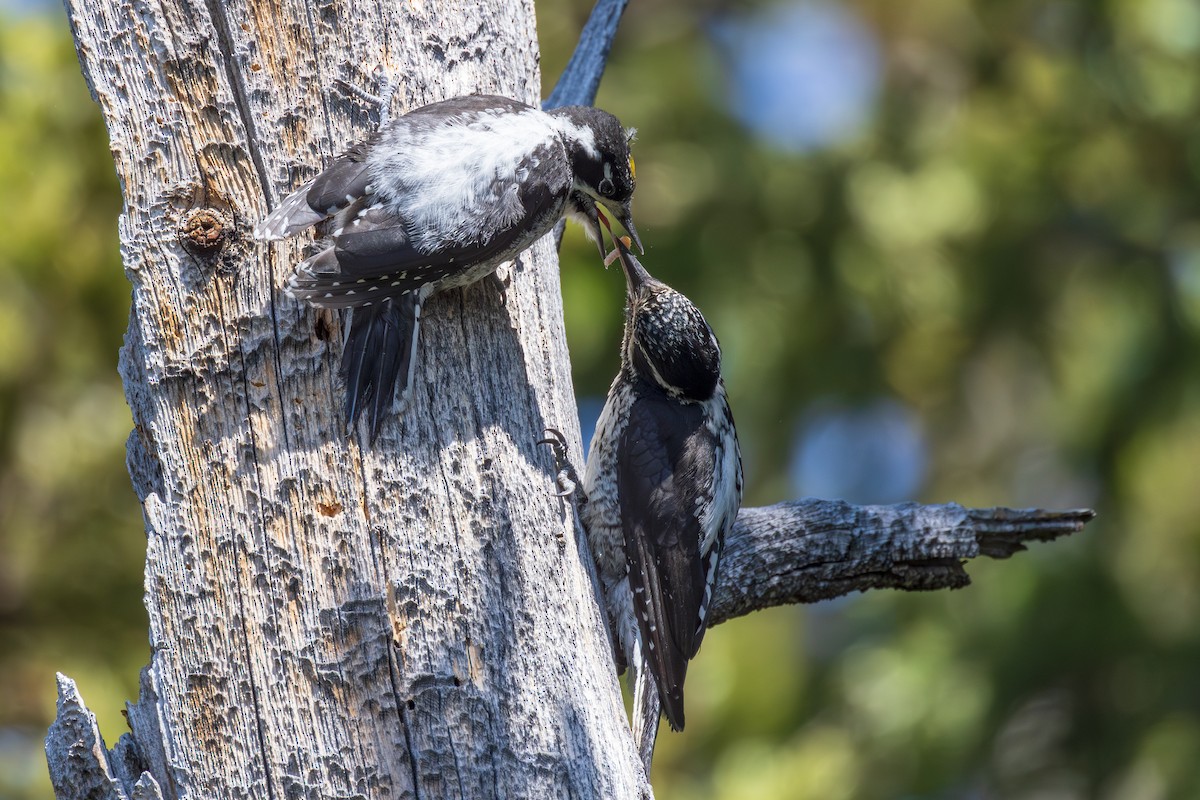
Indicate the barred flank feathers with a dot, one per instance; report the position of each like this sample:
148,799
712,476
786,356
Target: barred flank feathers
320,281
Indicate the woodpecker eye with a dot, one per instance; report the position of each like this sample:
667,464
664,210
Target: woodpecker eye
606,187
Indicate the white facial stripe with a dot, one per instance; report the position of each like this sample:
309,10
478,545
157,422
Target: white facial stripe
662,383
582,134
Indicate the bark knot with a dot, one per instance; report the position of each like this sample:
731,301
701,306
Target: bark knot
204,230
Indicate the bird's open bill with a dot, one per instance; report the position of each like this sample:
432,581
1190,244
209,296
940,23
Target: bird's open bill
625,217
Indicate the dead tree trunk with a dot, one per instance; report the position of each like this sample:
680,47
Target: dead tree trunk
414,620
328,620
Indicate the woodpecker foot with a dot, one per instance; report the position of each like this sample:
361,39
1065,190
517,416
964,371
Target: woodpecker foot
387,84
565,478
500,287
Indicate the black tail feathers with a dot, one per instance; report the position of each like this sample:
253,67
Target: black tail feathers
378,355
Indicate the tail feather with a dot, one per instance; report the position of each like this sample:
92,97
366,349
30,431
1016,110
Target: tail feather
378,356
646,710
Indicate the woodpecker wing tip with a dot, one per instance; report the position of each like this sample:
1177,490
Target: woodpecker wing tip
292,215
274,226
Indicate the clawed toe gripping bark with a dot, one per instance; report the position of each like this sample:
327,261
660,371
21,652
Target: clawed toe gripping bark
566,479
388,84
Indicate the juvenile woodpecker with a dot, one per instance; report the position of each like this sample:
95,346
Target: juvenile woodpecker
439,198
663,483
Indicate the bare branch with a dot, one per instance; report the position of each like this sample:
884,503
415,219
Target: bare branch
810,550
581,79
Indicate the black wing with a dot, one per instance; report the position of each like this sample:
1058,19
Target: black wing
665,462
345,180
338,186
372,256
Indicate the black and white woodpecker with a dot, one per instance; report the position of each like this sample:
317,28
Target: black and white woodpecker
439,198
663,485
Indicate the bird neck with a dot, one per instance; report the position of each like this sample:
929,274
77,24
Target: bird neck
685,379
577,135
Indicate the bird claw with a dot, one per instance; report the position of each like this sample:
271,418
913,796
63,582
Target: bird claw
565,477
383,101
500,286
554,438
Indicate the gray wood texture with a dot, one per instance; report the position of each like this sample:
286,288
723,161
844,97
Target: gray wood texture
811,550
416,620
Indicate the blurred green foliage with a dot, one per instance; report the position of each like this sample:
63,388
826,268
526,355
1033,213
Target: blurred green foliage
1010,247
71,538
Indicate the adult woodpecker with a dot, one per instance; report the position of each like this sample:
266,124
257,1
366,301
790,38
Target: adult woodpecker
439,198
663,484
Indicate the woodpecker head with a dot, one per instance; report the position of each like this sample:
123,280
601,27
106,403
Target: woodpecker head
667,341
598,148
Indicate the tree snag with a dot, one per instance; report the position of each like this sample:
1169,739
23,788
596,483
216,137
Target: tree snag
416,619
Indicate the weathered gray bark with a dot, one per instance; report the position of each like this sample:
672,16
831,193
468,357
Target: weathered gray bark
328,620
415,620
812,550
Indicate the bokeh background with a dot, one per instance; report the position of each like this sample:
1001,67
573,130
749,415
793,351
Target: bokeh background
952,250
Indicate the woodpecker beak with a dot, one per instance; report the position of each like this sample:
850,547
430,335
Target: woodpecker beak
636,275
601,219
624,216
627,223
